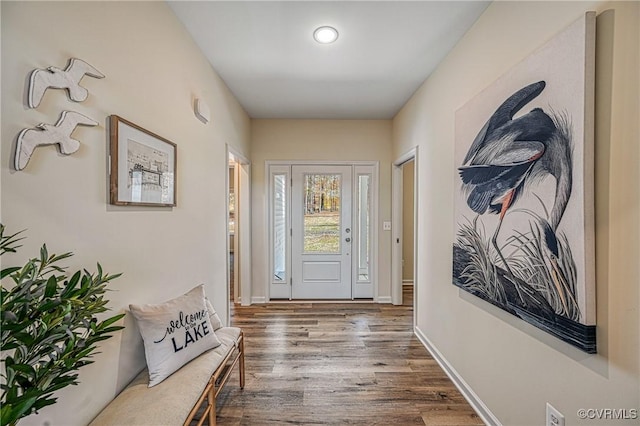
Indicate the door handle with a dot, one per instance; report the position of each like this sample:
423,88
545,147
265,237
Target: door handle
348,239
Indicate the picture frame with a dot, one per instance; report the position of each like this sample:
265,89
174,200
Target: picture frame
142,166
524,233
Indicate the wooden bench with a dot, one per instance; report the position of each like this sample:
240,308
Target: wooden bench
189,392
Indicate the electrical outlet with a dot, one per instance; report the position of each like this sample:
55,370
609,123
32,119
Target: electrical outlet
554,417
386,226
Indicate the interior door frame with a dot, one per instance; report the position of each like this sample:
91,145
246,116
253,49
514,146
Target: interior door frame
270,166
396,220
242,239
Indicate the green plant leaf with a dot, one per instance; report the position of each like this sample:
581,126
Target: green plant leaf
110,321
57,258
7,414
50,326
24,368
11,413
44,254
71,284
8,242
43,402
8,271
110,329
52,286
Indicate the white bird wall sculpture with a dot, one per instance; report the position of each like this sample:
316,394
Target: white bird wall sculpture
47,134
55,78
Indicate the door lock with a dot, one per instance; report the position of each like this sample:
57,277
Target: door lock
348,239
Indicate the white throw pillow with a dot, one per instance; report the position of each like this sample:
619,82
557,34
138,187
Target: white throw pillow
216,323
174,332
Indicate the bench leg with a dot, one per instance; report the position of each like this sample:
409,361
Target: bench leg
241,366
212,405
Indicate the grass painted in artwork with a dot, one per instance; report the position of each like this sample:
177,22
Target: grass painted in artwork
480,273
553,276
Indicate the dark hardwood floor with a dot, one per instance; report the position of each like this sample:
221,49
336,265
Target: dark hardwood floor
338,364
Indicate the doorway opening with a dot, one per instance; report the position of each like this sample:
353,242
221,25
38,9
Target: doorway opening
405,225
238,230
233,264
408,231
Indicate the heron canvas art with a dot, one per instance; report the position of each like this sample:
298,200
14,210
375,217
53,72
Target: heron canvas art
524,231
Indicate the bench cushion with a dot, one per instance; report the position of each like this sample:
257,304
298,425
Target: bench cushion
170,402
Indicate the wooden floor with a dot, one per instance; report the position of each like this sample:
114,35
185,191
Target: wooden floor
338,364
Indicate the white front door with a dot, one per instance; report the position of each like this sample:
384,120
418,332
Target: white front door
321,238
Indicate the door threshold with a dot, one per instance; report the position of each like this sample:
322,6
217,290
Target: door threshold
347,301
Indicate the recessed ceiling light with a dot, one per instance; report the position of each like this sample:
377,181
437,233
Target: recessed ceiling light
325,35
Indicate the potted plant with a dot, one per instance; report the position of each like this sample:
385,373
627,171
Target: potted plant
49,328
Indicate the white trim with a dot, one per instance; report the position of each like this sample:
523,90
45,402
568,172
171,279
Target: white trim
416,227
270,164
320,301
396,234
242,236
384,299
406,157
238,156
375,233
317,163
472,398
243,221
236,265
396,224
258,300
371,169
227,233
280,289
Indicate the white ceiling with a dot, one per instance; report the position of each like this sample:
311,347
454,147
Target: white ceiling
265,52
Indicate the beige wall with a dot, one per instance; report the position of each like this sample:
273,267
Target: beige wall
322,140
153,72
407,220
512,367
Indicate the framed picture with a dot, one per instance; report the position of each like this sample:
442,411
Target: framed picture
524,207
143,166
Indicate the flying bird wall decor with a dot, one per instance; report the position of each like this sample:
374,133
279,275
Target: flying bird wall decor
47,134
55,78
524,227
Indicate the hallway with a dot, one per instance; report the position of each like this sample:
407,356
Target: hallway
328,363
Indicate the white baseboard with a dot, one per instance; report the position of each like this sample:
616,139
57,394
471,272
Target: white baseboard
384,299
258,300
476,403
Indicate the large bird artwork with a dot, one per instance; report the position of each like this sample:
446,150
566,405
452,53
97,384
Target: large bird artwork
509,154
524,227
47,134
55,78
528,272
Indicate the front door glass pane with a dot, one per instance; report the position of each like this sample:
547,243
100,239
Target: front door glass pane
364,204
322,213
279,227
